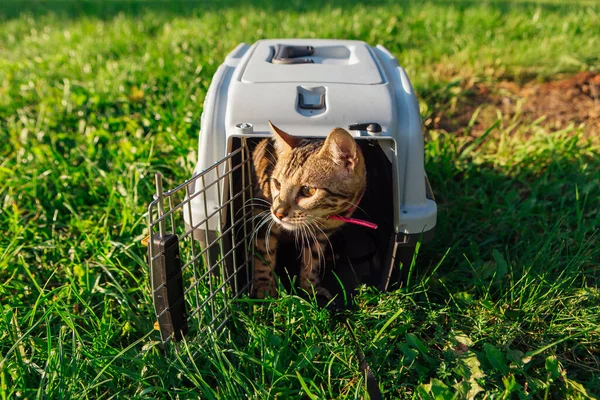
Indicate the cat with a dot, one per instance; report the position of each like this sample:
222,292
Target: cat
307,183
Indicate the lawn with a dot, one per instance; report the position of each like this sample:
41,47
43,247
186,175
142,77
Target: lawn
96,98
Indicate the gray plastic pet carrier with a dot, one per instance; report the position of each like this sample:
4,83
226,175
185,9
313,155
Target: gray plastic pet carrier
200,251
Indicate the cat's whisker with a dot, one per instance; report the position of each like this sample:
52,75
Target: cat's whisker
268,234
328,241
307,234
253,206
356,207
256,199
320,248
255,202
315,243
297,237
302,235
258,228
259,215
254,233
319,220
237,215
321,251
299,234
306,224
337,215
248,224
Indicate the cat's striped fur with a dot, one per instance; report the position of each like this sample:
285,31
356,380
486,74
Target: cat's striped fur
304,181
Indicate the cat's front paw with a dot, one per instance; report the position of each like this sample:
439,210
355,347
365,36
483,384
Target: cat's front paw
321,291
318,291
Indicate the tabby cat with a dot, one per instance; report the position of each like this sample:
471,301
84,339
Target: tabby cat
306,183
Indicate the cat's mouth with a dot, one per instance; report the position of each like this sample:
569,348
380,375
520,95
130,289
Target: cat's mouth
290,226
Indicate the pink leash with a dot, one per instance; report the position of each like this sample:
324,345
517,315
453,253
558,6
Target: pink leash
355,221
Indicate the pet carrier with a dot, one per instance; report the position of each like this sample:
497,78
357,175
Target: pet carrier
200,253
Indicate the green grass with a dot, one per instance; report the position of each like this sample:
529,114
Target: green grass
94,99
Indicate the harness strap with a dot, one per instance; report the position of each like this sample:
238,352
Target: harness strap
372,383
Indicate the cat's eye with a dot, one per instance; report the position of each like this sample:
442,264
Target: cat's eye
276,183
307,191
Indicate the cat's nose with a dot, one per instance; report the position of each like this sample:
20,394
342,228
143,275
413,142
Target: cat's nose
281,212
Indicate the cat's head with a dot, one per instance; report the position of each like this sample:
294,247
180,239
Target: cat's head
314,179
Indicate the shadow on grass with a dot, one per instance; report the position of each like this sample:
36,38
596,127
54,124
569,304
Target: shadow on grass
549,194
73,9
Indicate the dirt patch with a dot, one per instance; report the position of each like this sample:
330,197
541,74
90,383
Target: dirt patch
554,105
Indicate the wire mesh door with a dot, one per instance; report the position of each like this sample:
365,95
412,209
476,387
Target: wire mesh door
198,251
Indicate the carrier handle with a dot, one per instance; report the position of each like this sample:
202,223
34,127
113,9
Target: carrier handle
285,54
167,286
166,278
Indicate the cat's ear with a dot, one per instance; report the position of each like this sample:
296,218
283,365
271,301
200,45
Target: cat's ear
284,141
342,148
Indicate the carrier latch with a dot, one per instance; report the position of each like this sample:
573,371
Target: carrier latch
371,127
285,54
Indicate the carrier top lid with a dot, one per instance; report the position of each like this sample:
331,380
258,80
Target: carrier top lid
312,60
